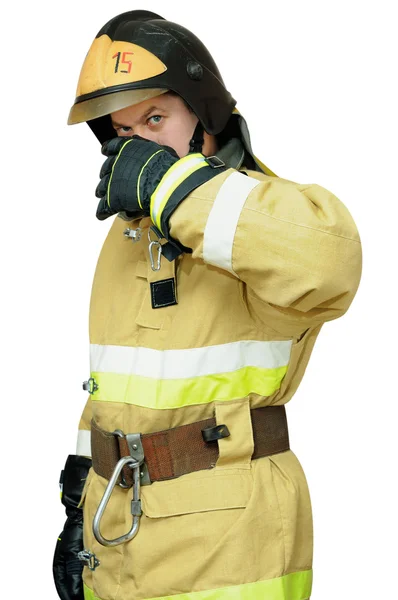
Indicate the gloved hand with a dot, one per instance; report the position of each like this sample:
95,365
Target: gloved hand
67,568
146,179
130,174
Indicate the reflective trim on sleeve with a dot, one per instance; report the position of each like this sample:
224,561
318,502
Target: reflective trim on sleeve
294,586
223,219
180,171
83,446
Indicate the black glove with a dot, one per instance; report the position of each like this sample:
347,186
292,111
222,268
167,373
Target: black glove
67,568
135,167
131,160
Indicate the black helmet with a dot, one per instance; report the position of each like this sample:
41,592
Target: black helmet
139,55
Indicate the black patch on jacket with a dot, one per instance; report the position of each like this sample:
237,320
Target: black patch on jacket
163,293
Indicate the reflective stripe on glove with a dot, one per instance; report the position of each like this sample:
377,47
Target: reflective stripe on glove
143,178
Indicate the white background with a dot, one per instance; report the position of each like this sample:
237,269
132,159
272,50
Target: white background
316,82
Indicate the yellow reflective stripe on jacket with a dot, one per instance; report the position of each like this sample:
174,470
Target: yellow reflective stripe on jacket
174,378
295,586
174,177
175,393
219,233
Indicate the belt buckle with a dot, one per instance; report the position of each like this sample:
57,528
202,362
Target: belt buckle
136,450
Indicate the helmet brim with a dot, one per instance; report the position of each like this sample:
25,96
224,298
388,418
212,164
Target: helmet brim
105,104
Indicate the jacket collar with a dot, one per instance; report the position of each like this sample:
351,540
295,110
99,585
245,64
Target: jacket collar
232,153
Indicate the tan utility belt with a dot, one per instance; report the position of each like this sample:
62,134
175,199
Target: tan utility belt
132,459
175,452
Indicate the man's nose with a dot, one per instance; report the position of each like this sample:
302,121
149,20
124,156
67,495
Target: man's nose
144,133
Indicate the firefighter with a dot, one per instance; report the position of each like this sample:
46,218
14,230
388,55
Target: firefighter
210,290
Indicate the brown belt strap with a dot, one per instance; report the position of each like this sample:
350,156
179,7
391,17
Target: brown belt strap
175,452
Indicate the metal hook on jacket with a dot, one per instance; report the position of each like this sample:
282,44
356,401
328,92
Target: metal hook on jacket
154,244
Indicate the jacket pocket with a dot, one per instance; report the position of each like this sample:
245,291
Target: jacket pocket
202,491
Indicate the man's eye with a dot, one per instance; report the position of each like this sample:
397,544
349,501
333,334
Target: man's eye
122,129
155,120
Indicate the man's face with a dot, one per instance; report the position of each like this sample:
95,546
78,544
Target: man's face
164,119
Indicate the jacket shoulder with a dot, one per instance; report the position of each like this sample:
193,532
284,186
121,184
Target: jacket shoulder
263,177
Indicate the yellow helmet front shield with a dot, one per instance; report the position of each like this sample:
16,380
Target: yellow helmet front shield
108,65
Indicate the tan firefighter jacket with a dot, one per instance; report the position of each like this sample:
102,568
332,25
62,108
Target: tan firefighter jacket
272,260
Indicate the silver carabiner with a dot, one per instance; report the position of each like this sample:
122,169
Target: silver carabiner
153,243
159,247
135,503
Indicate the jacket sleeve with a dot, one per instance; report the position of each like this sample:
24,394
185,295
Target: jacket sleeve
295,247
83,445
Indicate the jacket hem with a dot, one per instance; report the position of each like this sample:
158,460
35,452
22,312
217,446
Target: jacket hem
294,586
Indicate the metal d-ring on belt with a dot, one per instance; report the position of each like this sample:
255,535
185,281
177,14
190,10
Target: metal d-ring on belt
132,460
